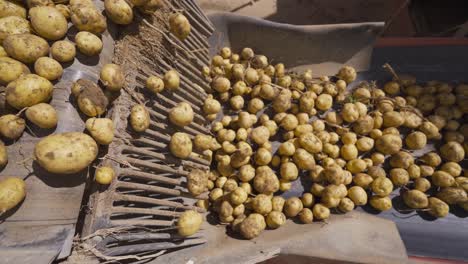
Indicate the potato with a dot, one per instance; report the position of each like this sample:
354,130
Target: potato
11,25
289,171
28,90
262,204
181,114
349,152
189,223
363,125
432,159
197,182
307,199
287,149
119,11
252,226
11,8
101,129
91,100
26,48
88,43
238,196
86,17
414,171
349,112
225,211
104,175
311,143
452,168
11,126
230,185
3,155
358,195
347,74
442,179
282,102
452,151
334,174
63,51
262,157
356,165
306,216
260,135
156,85
275,219
452,195
265,180
42,115
66,153
320,212
179,26
216,194
415,199
426,170
11,69
365,144
416,140
64,10
12,192
431,130
211,106
437,207
112,77
48,68
388,144
381,203
401,159
422,184
346,205
35,3
382,186
181,145
324,102
171,80
400,177
48,22
139,118
393,119
292,207
363,180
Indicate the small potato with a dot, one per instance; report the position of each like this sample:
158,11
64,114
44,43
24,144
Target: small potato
358,195
452,195
388,144
171,80
101,129
262,157
382,186
452,151
238,196
365,144
277,203
216,194
324,102
197,182
349,152
432,159
139,118
320,212
265,180
363,180
412,120
452,168
225,210
211,106
437,207
11,25
48,68
289,122
400,177
287,149
306,216
66,153
260,135
12,192
364,125
317,189
181,115
422,184
236,102
155,84
88,43
179,26
275,219
11,126
415,199
349,113
112,77
246,173
414,171
262,204
119,11
189,223
34,3
252,226
289,171
347,74
346,205
292,207
11,69
181,145
104,175
416,140
3,155
282,102
392,88
381,203
356,165
63,51
11,8
311,143
431,130
426,170
26,48
462,182
401,159
393,119
86,17
442,179
42,115
307,200
48,22
334,174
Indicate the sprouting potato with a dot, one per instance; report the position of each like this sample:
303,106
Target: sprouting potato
189,223
11,126
12,192
381,203
415,199
42,115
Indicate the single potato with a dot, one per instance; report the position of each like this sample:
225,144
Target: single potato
139,118
12,8
88,43
28,90
90,98
86,17
12,25
119,11
189,223
48,22
101,129
11,126
104,175
181,145
181,115
3,155
112,77
26,48
11,69
42,115
48,68
12,192
63,51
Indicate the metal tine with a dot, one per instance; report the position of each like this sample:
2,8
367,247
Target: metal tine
195,73
155,201
149,188
158,135
200,15
132,249
143,236
148,142
149,176
189,48
199,46
156,167
133,222
145,211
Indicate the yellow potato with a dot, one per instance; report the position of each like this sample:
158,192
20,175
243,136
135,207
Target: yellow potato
437,207
382,186
311,143
3,155
34,3
171,80
179,26
265,180
11,126
388,144
346,205
150,6
88,43
181,145
303,159
104,175
101,129
66,153
42,115
358,195
11,8
442,179
48,68
252,226
262,204
181,114
452,151
12,192
112,77
119,11
156,85
11,69
63,51
292,207
452,195
275,219
139,118
86,17
381,203
26,48
3,52
64,10
11,25
48,22
197,182
320,212
415,199
189,223
28,90
91,100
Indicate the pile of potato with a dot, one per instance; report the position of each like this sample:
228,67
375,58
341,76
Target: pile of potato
354,146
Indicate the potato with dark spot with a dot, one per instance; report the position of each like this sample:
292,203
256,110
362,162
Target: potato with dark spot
101,129
63,51
48,22
91,100
66,153
42,115
11,8
86,17
12,126
26,48
12,192
252,226
12,25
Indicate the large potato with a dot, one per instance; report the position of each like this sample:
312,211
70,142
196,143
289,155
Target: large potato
48,22
139,118
181,145
86,17
48,68
181,114
101,129
10,8
63,51
119,11
12,192
28,90
88,43
91,100
42,115
11,69
3,155
13,25
66,153
112,77
26,48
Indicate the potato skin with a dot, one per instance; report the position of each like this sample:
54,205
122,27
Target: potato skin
11,126
26,48
28,90
42,115
252,226
189,223
104,175
11,69
181,145
63,51
101,129
12,192
90,98
139,118
3,155
180,26
88,43
10,8
86,17
112,77
66,153
48,22
48,68
11,25
181,114
119,11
